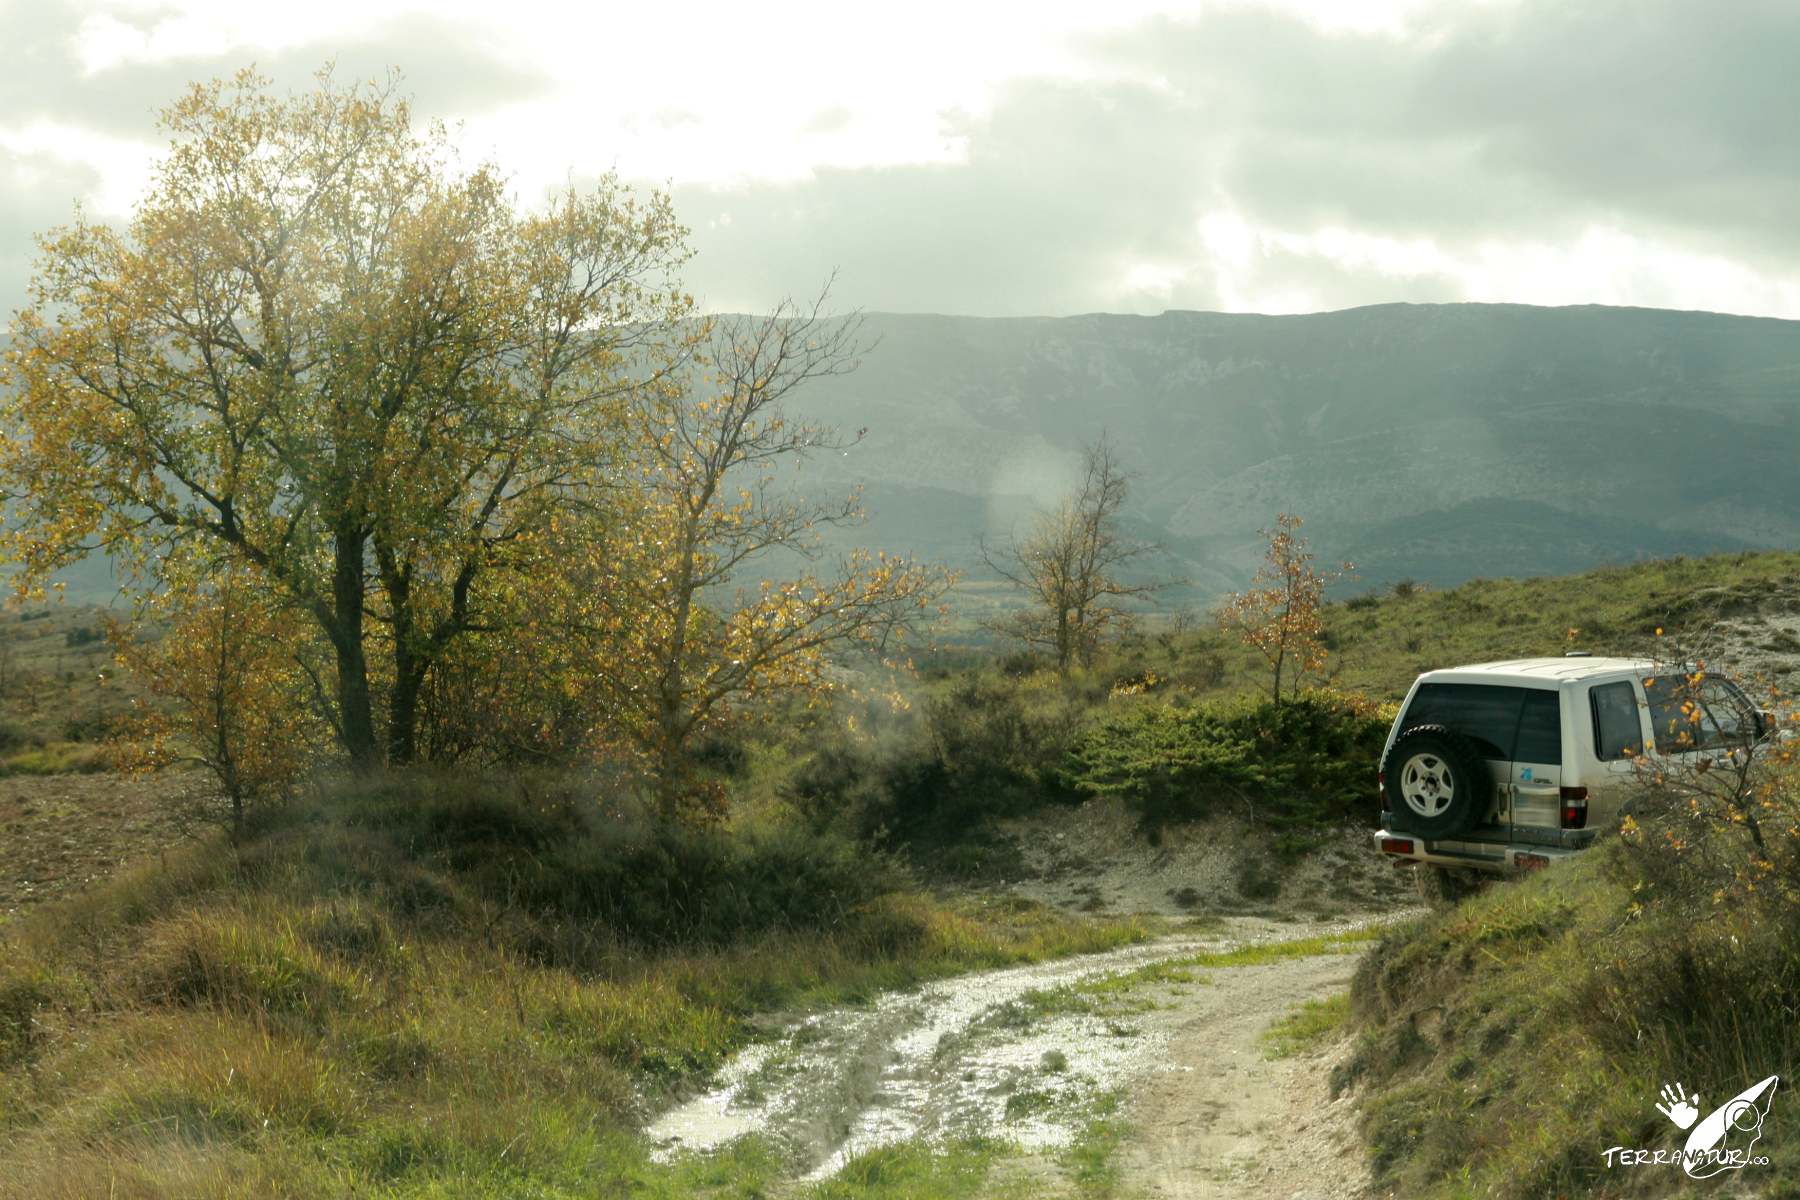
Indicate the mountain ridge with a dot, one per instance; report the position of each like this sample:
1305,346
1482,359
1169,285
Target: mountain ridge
1639,432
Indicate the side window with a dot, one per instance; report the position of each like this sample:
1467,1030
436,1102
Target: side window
1540,728
1485,712
1616,729
1671,714
1713,716
1730,710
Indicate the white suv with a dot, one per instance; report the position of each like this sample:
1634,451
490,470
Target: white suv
1510,765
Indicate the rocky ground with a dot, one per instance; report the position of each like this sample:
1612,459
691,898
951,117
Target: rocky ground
1095,859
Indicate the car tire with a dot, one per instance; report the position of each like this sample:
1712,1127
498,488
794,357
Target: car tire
1437,784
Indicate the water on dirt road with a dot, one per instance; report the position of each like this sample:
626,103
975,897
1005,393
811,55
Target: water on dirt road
967,1056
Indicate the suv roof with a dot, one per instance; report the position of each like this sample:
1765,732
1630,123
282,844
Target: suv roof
1539,670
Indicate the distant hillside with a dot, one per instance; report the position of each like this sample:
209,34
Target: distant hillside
1431,442
1437,442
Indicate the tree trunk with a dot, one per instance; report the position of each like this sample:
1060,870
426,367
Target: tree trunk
672,725
409,665
403,708
356,714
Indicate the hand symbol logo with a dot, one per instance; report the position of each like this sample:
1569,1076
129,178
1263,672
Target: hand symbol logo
1684,1111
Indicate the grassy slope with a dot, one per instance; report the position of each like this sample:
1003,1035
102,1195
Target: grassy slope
59,689
1380,643
375,997
1380,646
1507,1043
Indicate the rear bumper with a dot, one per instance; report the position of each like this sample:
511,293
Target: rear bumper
1498,857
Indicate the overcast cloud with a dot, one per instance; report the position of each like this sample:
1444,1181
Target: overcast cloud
1222,156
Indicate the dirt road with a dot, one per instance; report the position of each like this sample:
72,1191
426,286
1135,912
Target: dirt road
1030,1055
1219,1118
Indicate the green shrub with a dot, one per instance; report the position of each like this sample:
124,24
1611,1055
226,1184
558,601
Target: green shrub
576,870
870,790
986,746
1000,743
680,885
1306,760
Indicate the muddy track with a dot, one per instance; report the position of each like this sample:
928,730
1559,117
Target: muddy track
1026,1054
1219,1118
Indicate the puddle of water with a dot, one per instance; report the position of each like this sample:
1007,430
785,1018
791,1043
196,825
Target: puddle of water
923,1064
943,1061
717,1117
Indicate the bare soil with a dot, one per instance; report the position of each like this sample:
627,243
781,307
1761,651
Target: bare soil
1219,1118
61,833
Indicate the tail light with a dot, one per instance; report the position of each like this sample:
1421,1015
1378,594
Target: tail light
1574,808
1381,782
1396,845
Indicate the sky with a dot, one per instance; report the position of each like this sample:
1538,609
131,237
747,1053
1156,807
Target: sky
1044,158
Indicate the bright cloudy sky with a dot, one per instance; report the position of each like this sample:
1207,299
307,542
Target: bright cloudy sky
1038,158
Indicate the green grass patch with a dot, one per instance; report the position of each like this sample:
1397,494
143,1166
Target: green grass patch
1297,762
56,758
1257,954
1122,993
1310,1025
1092,1159
910,1171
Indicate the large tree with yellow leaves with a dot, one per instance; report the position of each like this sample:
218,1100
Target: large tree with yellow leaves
499,487
323,348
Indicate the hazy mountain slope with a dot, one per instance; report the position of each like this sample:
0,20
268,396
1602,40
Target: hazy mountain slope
1437,440
1433,441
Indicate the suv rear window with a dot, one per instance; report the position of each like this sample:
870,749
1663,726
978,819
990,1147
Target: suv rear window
1490,715
1540,728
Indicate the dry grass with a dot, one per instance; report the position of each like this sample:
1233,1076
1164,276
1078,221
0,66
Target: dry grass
1507,1043
59,685
340,1008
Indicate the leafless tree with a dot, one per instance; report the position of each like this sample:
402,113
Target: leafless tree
1069,566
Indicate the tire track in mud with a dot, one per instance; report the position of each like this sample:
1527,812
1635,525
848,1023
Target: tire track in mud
999,1053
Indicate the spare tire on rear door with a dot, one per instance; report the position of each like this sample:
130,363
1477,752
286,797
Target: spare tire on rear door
1437,782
